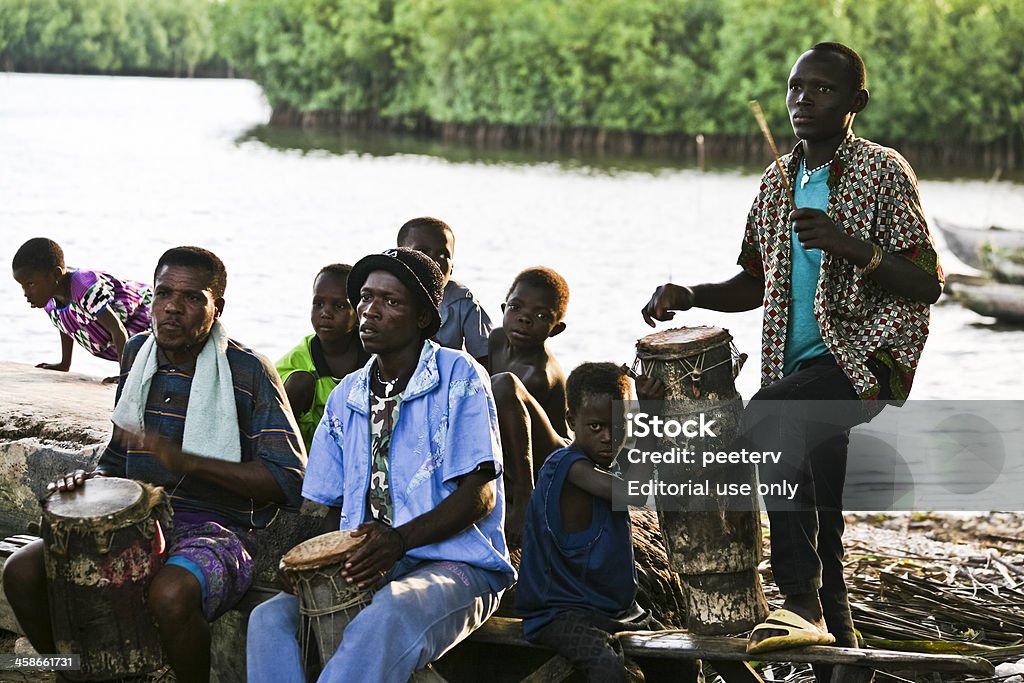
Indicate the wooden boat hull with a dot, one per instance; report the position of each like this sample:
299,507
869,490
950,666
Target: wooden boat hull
1004,302
966,243
1004,265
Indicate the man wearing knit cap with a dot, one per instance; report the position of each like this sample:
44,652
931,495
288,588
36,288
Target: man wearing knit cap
408,455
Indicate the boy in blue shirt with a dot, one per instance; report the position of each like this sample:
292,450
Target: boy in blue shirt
577,579
465,325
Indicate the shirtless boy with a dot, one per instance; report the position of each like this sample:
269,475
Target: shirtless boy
528,383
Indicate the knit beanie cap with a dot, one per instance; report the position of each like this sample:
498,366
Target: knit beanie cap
414,269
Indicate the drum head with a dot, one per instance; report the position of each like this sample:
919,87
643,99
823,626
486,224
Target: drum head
321,551
98,498
680,342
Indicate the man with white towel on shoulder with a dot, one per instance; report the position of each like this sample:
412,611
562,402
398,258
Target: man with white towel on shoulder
207,419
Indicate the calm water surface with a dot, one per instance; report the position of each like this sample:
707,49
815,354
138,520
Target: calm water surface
119,169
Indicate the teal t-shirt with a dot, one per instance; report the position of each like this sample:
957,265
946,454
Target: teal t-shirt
803,338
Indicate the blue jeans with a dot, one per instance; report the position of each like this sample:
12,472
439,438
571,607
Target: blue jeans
417,616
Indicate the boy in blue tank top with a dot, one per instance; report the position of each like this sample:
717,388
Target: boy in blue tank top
577,580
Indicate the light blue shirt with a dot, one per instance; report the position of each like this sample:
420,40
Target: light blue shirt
803,337
464,322
447,427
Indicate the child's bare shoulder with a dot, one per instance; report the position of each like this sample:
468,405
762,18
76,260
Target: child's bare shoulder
497,350
555,373
497,338
554,400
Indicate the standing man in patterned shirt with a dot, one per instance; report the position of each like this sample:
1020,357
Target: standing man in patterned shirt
408,456
846,269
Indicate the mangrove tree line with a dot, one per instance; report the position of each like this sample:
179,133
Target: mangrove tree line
170,37
940,71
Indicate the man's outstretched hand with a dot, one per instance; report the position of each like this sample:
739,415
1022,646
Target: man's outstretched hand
665,301
165,451
71,481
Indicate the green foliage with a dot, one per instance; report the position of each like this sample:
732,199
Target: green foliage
617,64
760,40
312,55
156,36
940,71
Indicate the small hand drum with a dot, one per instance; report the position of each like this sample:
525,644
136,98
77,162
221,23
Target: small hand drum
327,602
102,546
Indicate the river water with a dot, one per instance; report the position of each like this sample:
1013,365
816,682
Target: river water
118,169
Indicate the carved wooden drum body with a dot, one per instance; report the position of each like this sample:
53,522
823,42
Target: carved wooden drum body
714,542
102,545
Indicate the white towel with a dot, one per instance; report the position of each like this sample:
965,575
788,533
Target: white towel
211,420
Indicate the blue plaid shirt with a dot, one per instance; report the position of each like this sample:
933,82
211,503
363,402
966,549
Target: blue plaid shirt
266,428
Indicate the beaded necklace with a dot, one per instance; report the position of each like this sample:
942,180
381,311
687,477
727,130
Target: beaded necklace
389,386
806,177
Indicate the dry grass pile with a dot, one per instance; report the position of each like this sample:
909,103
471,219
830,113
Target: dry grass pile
933,583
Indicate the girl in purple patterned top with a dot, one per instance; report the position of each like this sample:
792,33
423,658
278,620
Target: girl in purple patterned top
90,307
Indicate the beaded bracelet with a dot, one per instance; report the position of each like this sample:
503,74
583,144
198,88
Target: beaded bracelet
876,260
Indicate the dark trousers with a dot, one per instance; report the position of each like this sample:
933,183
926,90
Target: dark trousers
799,417
585,640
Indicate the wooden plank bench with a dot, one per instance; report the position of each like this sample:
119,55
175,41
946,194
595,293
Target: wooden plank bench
727,655
729,658
228,632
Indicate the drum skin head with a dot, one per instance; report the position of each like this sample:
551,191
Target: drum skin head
320,551
682,341
98,498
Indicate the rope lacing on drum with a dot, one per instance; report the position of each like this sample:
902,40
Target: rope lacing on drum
695,370
357,598
357,601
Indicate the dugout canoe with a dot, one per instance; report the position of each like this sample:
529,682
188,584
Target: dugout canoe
1004,302
967,242
1004,265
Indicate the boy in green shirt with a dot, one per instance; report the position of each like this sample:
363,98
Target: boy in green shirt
314,367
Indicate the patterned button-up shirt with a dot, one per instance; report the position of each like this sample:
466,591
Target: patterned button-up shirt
446,428
872,196
93,291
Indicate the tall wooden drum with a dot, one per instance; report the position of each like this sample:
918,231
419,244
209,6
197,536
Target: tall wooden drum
102,545
713,542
